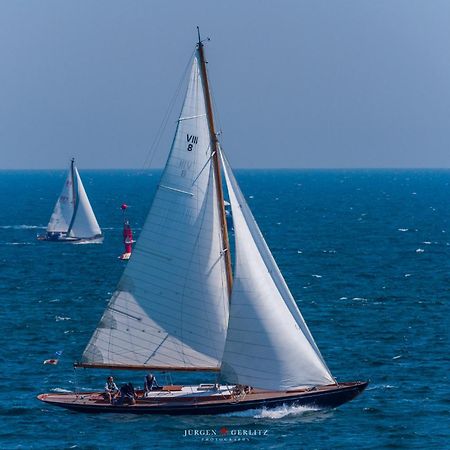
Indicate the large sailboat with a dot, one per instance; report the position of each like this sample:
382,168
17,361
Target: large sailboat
73,219
184,303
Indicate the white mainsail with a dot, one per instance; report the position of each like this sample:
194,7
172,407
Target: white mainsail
170,309
63,211
84,223
268,344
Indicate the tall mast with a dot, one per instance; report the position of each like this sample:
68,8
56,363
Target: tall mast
72,173
216,163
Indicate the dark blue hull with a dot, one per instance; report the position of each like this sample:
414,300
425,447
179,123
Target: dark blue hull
330,398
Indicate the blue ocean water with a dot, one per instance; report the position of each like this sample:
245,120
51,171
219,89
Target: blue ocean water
365,253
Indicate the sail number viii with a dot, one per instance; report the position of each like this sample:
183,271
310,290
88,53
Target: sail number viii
192,140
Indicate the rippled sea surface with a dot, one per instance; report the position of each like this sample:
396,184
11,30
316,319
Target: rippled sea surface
365,253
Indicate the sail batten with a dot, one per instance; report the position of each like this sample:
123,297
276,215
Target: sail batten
170,308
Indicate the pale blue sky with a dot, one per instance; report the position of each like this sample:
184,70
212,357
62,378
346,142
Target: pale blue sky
297,83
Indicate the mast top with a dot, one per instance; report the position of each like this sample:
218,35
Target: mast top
200,41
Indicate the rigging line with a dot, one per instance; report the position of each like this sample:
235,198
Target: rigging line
206,163
162,127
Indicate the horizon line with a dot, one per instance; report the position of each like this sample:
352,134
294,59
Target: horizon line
234,168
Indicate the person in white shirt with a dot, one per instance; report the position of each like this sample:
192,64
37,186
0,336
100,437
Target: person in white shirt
111,389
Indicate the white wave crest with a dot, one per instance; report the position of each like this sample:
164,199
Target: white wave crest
61,390
21,227
59,318
274,413
88,242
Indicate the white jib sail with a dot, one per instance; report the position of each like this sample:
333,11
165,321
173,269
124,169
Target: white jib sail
84,224
268,344
170,309
63,211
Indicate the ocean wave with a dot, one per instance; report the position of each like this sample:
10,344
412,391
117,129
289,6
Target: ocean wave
90,242
380,386
59,318
21,227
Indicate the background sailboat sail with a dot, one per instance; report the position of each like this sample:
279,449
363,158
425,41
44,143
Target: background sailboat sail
73,217
170,309
63,211
268,344
84,223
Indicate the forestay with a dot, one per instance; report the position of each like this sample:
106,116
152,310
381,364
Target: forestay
268,345
84,223
170,309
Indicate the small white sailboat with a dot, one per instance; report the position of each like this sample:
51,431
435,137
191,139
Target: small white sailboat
73,219
182,304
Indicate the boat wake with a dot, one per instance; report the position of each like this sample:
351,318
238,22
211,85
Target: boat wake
275,413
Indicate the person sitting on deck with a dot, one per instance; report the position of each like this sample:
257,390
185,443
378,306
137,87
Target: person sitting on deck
150,383
127,395
111,389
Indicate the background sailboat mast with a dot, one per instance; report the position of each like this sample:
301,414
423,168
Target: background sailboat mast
74,195
72,172
216,162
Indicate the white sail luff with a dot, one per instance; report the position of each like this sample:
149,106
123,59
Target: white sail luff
171,306
266,345
84,224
